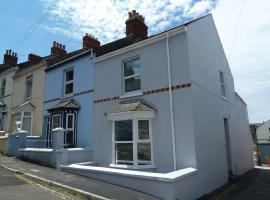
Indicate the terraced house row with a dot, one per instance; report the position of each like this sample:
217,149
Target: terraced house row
158,113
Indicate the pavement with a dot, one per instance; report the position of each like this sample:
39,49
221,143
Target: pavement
15,186
90,188
253,185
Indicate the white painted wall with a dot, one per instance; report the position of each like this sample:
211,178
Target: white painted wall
263,133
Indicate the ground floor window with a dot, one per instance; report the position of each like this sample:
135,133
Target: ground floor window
132,142
23,121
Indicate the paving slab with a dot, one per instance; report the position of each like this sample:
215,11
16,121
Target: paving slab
91,186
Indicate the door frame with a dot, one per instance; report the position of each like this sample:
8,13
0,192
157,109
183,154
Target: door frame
70,129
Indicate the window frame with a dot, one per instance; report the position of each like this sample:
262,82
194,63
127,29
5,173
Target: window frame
27,79
56,115
21,117
70,129
135,141
131,76
222,84
3,87
68,82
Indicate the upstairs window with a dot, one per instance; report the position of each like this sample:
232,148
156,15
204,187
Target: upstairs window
132,76
3,87
222,84
68,82
28,86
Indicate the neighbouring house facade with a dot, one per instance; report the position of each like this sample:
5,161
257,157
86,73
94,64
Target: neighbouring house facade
27,100
256,155
263,141
7,71
165,108
28,91
69,95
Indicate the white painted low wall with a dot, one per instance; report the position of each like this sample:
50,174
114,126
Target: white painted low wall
54,158
179,184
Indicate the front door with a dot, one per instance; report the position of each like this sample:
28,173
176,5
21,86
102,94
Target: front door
69,134
228,146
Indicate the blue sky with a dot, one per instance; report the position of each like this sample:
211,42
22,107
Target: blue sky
31,26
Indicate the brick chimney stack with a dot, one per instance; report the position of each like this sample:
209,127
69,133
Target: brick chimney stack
58,49
10,58
135,25
34,58
90,42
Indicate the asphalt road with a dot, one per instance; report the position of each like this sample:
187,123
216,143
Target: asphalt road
16,187
254,185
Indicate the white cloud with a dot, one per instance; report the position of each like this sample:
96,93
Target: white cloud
247,50
106,18
200,8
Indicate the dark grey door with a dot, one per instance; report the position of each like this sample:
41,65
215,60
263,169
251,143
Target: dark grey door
228,146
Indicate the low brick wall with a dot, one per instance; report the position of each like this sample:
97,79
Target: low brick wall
3,144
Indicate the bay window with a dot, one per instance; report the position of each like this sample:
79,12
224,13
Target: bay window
132,143
23,121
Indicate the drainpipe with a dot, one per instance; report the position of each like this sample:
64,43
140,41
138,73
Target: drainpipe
171,102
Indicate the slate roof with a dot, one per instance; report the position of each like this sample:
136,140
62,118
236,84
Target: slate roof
131,106
4,67
54,63
70,104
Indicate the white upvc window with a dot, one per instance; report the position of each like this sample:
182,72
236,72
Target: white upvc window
132,143
28,86
56,121
132,76
3,87
23,121
68,81
222,84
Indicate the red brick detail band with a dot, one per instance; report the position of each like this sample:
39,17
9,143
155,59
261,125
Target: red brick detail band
154,91
106,99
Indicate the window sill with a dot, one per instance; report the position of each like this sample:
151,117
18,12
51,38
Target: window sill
133,167
132,94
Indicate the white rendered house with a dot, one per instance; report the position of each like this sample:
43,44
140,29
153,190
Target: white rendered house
166,115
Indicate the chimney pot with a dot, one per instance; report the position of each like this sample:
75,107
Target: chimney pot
58,49
10,58
34,58
135,25
90,42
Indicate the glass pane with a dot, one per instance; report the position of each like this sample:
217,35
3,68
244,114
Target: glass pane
69,137
124,152
144,152
69,88
123,130
132,67
56,122
69,75
28,88
28,114
143,129
133,84
27,124
69,121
